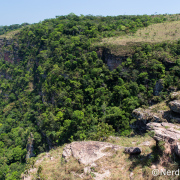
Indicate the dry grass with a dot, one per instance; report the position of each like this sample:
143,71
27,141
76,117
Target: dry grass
131,141
122,166
160,107
53,166
10,35
167,31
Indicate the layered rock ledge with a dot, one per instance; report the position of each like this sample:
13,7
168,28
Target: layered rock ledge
175,106
162,112
156,113
169,133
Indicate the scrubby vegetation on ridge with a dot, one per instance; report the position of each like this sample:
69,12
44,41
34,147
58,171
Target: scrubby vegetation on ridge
6,29
60,90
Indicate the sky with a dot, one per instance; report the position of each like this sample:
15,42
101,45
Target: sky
34,11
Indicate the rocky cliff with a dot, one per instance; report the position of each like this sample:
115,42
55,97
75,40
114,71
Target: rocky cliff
169,133
163,120
9,50
113,159
166,111
112,60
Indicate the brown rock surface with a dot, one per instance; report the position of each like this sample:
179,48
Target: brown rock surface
156,113
146,115
88,151
175,106
167,132
175,95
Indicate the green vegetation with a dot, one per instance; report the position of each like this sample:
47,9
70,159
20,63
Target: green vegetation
62,91
6,29
166,31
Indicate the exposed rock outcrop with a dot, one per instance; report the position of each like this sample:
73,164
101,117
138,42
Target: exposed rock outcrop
175,106
156,113
133,150
175,95
9,50
102,160
169,133
147,115
87,152
162,112
112,60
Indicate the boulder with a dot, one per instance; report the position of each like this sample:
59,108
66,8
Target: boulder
86,152
175,95
167,132
133,150
175,106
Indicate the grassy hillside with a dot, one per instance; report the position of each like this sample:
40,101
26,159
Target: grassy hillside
7,29
10,35
52,166
156,33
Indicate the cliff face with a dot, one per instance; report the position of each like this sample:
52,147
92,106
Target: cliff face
167,111
169,133
111,60
9,50
30,147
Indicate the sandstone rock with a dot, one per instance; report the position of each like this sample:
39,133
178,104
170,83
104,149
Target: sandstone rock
144,116
67,152
146,143
175,95
133,150
102,176
175,106
86,152
131,175
167,132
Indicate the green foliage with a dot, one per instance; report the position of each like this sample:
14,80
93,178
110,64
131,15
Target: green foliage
5,29
61,90
103,131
